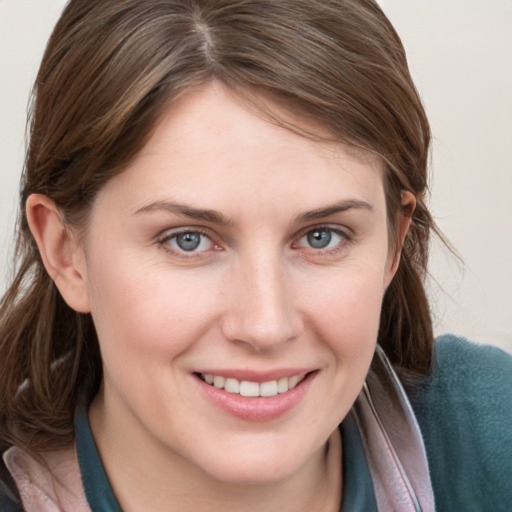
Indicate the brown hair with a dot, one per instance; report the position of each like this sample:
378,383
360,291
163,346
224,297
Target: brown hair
110,69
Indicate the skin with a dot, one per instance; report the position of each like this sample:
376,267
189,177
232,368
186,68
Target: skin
255,295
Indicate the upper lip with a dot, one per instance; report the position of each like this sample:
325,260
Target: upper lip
256,376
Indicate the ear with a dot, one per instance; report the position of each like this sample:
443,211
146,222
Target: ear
62,256
405,217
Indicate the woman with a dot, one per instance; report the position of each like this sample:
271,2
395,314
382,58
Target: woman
221,251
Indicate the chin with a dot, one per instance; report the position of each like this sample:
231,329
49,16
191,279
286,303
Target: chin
254,474
257,465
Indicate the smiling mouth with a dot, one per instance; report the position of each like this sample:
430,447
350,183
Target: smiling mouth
247,388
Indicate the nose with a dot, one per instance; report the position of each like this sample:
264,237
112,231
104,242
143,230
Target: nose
262,312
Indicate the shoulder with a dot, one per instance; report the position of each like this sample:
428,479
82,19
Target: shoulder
465,414
476,380
470,377
453,350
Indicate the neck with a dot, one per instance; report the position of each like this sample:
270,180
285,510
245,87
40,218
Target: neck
148,477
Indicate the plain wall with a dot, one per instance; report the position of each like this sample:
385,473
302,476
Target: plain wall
460,53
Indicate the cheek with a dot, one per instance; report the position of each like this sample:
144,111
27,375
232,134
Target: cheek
345,314
147,315
350,296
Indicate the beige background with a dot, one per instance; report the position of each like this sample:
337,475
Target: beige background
460,52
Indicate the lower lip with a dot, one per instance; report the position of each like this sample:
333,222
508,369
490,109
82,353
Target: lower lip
257,408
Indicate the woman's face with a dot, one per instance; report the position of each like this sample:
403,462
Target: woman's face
235,251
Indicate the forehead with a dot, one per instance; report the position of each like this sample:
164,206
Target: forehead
209,146
248,115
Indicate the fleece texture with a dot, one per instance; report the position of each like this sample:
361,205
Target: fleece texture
464,410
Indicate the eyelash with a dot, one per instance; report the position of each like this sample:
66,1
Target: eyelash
344,236
165,240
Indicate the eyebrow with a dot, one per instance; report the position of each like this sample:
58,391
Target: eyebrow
184,210
340,207
216,217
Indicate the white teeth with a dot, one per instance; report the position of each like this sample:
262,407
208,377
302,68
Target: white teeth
282,385
218,381
249,388
232,386
252,389
268,388
293,381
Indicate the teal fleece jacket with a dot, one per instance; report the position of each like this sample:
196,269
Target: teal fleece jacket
464,410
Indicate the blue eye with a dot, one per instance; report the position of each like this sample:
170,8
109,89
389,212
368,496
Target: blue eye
322,238
319,239
188,241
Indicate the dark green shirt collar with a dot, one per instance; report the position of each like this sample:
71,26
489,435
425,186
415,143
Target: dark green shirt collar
358,492
97,488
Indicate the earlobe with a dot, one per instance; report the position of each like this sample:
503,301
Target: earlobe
59,251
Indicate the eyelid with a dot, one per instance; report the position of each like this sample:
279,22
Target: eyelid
168,234
344,232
